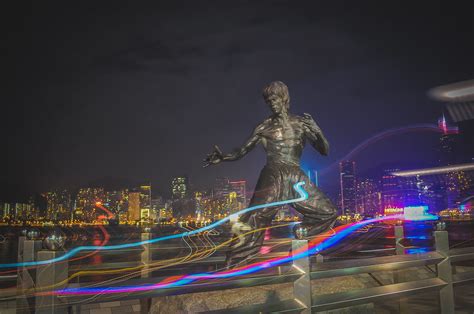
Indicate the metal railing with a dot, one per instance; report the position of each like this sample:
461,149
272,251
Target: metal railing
301,272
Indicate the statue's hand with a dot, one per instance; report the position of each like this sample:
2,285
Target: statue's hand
213,158
310,123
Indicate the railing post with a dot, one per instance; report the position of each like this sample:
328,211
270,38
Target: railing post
145,304
399,235
444,270
48,277
399,275
399,250
26,275
302,286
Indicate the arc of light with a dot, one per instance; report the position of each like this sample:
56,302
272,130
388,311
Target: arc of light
379,136
298,188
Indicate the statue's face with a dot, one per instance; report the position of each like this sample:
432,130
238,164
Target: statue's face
276,104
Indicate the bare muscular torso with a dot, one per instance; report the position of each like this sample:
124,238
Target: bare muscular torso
283,139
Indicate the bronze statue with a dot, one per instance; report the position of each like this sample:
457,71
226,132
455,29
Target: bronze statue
283,136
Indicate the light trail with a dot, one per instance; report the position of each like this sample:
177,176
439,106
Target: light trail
434,171
387,133
314,247
298,188
157,265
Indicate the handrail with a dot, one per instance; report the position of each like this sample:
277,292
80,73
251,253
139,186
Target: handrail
302,271
263,279
461,254
374,264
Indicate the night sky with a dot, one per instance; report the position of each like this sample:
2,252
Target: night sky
130,92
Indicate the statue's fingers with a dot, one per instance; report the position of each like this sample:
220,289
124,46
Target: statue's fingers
217,149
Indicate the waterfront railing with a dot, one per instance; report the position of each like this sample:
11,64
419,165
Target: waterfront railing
301,272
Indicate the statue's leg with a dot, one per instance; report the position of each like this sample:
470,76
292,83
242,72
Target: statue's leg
319,213
248,245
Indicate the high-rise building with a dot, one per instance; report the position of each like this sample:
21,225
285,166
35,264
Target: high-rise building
156,204
457,185
411,191
59,205
391,189
222,188
198,204
369,198
7,210
116,202
166,211
179,187
112,201
348,186
446,144
86,200
134,206
146,213
240,189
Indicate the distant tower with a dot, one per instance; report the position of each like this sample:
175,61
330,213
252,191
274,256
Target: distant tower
222,188
348,186
198,205
179,187
368,197
134,206
391,189
446,143
240,188
145,202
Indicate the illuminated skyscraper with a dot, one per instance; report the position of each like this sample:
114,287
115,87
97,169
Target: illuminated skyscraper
116,202
179,187
446,144
391,189
240,188
145,203
59,205
369,199
112,201
156,204
85,203
134,206
222,188
198,205
348,186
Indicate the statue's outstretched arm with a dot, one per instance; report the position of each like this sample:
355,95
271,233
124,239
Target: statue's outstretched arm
251,142
315,135
217,156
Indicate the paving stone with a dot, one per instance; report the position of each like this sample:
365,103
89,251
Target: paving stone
110,304
130,302
89,306
122,309
101,311
136,307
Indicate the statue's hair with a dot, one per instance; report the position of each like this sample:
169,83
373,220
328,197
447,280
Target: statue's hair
277,88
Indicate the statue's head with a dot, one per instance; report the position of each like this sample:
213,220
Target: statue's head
277,97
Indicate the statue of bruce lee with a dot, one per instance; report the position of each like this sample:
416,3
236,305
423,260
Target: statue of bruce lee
283,136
